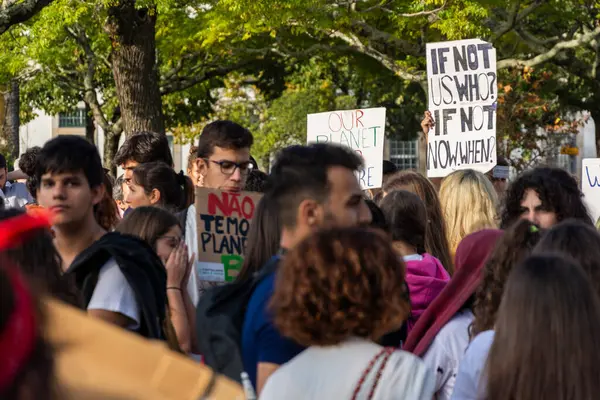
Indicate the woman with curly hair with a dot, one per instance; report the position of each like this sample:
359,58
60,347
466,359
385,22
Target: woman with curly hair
337,293
516,244
469,203
544,196
436,242
575,239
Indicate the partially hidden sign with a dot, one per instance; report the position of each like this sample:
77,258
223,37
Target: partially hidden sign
361,130
590,186
463,94
223,220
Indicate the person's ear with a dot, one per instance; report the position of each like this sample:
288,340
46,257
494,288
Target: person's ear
154,196
98,193
202,166
310,214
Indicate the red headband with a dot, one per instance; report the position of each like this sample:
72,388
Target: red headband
18,336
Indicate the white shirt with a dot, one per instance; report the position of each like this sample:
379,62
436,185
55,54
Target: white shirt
446,352
113,293
333,372
15,195
469,382
191,240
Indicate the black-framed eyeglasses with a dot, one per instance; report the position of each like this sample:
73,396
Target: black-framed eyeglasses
229,167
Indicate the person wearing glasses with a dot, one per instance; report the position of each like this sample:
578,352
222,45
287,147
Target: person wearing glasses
223,162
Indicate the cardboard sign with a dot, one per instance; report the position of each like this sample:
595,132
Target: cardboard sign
223,220
361,130
462,91
97,360
590,185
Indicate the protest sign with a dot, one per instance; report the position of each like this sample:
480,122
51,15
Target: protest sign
223,220
462,92
590,185
361,130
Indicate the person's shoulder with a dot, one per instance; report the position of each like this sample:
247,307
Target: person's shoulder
409,370
482,341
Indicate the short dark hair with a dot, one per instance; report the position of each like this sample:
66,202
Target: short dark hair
144,147
406,216
256,182
389,167
70,153
224,134
300,172
557,190
27,164
2,161
173,187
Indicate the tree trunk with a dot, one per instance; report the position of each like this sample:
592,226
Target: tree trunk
133,36
111,145
90,128
12,120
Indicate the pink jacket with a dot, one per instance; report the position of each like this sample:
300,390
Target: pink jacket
426,279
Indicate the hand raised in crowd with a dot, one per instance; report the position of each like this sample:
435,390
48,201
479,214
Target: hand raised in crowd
427,123
177,266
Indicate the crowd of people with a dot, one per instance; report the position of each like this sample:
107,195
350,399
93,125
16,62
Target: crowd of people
477,289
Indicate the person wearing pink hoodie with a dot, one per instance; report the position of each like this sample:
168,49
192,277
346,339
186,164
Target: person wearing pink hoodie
407,222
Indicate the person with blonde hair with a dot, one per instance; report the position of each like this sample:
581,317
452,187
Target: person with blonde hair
469,203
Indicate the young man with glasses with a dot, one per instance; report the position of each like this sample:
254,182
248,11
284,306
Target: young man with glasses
223,163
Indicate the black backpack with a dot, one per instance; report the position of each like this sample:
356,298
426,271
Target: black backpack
219,321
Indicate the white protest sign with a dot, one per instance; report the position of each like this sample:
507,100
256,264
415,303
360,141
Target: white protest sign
462,92
590,185
361,130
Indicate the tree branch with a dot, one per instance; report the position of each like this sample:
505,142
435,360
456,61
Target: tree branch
514,19
90,95
355,43
551,53
389,39
13,12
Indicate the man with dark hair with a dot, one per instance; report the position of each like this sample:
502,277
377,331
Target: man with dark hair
121,279
223,162
315,186
141,148
544,196
14,195
224,156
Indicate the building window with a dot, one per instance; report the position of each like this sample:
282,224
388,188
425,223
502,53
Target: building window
75,119
404,154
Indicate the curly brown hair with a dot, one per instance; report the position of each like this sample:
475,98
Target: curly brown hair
340,283
515,245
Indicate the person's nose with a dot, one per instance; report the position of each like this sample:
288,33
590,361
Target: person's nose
236,176
364,217
59,191
531,216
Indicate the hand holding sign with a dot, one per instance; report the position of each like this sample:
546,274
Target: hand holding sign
462,96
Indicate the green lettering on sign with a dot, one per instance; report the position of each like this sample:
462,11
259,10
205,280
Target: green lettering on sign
232,264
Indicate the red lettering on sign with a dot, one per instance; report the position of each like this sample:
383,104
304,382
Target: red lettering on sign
359,115
228,204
